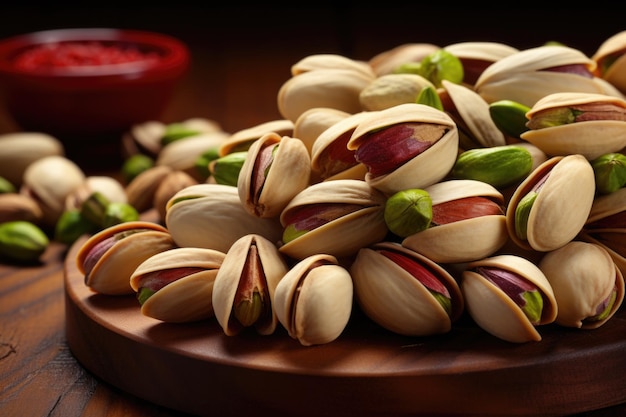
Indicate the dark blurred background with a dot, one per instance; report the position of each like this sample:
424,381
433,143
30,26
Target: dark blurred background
242,52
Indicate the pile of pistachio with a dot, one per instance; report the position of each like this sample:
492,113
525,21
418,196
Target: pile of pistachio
424,184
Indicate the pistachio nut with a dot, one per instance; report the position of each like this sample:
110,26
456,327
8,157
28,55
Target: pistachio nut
436,67
312,122
408,212
141,190
508,296
417,297
316,62
610,172
588,286
188,128
135,165
510,117
389,60
107,186
16,206
22,241
313,301
540,214
20,149
176,286
406,146
392,89
6,186
143,138
610,58
275,170
225,169
477,56
117,212
242,139
172,183
71,226
429,97
244,288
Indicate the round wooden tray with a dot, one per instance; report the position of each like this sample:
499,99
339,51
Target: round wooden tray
367,371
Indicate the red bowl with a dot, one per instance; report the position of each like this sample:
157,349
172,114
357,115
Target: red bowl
95,100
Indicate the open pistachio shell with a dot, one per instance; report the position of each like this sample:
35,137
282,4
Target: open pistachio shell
392,89
583,277
390,293
242,139
184,284
610,58
316,62
476,56
361,223
388,61
109,257
313,301
471,238
425,168
564,190
592,137
211,216
495,311
275,170
314,121
245,286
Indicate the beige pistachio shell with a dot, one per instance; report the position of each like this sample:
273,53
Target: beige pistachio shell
474,113
314,121
613,48
242,139
172,183
393,298
582,275
141,190
211,216
187,297
313,301
324,164
20,149
562,204
392,89
389,60
494,311
463,240
113,266
252,263
331,61
144,138
345,235
49,180
16,206
487,52
182,154
425,169
591,138
108,186
266,187
335,88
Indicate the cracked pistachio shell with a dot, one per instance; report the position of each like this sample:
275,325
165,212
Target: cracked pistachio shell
108,269
392,89
330,157
387,61
582,276
561,206
524,76
20,149
364,224
313,301
591,138
606,227
142,189
474,116
275,170
252,264
494,311
242,139
185,297
312,122
211,216
424,169
610,58
463,240
330,61
395,299
476,56
50,180
335,88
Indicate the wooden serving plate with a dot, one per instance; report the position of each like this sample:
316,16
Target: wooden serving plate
367,371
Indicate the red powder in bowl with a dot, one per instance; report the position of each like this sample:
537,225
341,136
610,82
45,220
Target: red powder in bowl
79,54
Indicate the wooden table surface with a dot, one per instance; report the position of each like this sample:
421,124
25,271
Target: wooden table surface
238,65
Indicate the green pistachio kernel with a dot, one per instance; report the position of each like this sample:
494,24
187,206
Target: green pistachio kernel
72,225
203,162
522,212
6,186
22,241
94,208
225,170
408,212
442,65
509,116
610,172
143,294
134,166
499,166
247,312
176,131
429,97
118,212
553,117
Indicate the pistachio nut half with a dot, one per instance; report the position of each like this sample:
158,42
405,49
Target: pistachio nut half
244,288
275,170
577,123
313,301
549,208
175,286
610,58
333,217
468,222
405,292
109,257
509,296
588,286
406,146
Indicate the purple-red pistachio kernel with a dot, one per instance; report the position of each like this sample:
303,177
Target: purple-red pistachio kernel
464,208
152,282
306,218
524,293
604,308
262,165
336,157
